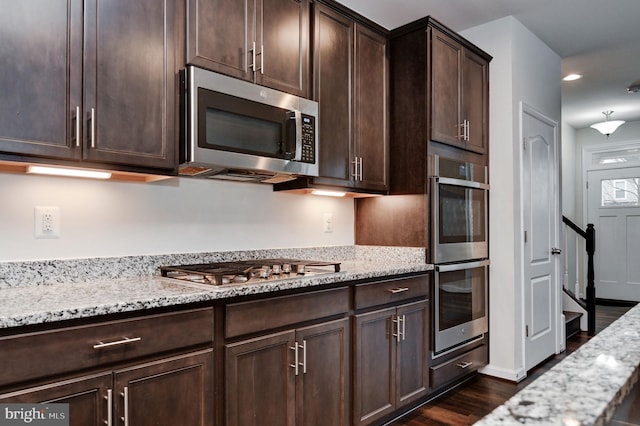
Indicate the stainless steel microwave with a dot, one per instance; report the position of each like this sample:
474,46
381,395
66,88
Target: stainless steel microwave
236,130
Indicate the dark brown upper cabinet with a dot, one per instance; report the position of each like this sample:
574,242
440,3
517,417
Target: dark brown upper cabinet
350,84
263,41
93,82
459,93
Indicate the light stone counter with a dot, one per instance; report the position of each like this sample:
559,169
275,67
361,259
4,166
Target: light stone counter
583,389
53,298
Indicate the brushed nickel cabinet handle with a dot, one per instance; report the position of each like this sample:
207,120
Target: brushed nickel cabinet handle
404,327
93,127
467,129
125,396
355,168
262,59
361,171
109,398
124,341
296,363
396,328
397,290
464,364
77,118
304,356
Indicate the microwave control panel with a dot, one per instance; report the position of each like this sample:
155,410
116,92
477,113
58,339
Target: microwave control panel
308,139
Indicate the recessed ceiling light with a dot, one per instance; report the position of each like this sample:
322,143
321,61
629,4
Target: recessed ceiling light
572,77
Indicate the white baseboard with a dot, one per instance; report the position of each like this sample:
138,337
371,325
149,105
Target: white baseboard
504,373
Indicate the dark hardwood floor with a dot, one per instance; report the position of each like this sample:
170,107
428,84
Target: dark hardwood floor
476,398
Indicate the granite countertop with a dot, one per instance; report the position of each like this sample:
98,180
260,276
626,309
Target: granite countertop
37,304
583,389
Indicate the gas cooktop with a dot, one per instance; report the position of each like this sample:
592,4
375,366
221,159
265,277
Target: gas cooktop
248,271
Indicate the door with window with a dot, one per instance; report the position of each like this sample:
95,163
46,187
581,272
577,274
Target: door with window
613,200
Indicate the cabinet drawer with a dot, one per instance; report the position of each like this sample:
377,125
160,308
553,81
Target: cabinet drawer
459,366
34,355
391,291
260,315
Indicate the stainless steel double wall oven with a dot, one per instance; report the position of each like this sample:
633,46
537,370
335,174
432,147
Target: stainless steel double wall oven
460,251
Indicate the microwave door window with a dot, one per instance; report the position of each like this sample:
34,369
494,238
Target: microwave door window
233,132
461,214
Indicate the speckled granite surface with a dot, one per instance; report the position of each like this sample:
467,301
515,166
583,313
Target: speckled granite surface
583,389
44,292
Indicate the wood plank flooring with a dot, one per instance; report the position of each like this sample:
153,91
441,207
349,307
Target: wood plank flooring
476,398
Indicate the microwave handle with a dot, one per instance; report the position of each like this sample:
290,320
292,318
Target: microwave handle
461,266
461,182
297,116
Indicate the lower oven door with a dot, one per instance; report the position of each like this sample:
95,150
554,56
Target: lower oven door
461,303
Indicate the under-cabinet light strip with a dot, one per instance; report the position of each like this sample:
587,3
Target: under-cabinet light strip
60,171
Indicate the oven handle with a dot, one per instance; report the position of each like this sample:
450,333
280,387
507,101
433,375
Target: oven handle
461,266
461,182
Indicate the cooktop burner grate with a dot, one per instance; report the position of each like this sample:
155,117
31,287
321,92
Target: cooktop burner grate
248,271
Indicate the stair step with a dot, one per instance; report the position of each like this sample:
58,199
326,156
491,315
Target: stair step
572,323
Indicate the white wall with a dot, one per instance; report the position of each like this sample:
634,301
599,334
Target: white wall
180,215
523,69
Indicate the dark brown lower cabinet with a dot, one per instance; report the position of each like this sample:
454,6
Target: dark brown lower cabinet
170,391
390,360
294,377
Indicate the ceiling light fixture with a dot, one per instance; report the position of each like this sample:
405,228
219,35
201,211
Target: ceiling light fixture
61,171
608,126
634,87
572,77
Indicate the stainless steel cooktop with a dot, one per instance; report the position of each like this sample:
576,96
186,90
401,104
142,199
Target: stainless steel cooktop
248,271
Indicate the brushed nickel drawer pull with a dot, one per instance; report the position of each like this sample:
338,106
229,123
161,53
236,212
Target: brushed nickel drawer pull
124,341
125,397
464,364
397,290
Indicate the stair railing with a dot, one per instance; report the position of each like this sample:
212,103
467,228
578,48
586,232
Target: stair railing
589,237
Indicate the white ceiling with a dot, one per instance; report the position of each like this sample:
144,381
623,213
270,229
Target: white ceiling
599,39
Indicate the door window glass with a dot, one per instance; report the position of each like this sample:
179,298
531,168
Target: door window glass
620,192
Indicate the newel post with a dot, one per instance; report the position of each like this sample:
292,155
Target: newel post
591,288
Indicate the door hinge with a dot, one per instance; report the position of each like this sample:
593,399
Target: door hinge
525,236
526,331
587,184
524,143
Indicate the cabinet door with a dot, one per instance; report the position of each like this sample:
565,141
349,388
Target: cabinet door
322,391
475,100
445,89
172,391
412,375
86,396
220,36
130,82
375,366
333,71
260,383
40,77
370,108
283,45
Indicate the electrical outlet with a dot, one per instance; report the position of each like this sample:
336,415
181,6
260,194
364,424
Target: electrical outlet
327,222
47,222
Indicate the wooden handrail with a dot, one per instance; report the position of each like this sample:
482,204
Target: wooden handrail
589,236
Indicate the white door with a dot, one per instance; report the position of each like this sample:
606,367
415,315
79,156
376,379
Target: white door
541,224
614,209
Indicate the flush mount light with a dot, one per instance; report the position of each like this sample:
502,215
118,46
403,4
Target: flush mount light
608,126
634,87
328,193
572,77
61,171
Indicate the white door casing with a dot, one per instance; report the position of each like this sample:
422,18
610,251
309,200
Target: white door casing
614,209
541,220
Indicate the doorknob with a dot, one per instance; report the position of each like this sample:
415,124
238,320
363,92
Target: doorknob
556,250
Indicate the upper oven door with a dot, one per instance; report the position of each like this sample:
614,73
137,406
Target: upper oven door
459,219
238,125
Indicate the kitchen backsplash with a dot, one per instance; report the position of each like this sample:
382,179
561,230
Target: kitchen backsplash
46,272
